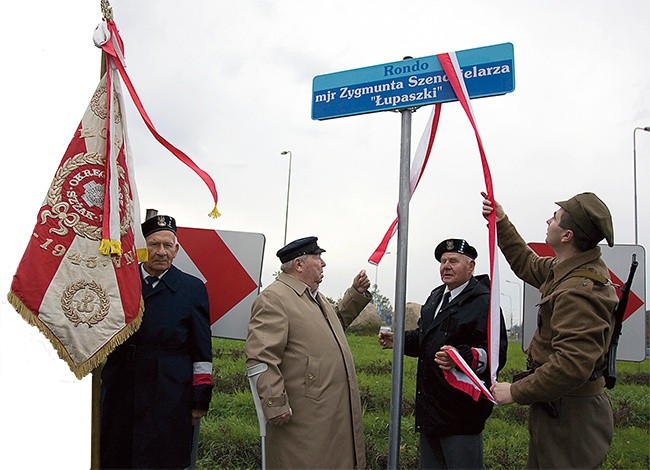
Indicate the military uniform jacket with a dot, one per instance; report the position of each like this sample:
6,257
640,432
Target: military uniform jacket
148,383
441,409
574,321
311,372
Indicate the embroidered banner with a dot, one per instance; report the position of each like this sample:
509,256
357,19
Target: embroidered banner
85,302
78,281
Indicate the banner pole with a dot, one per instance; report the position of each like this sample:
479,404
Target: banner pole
400,290
95,416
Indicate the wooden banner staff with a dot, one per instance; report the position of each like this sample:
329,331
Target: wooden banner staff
95,417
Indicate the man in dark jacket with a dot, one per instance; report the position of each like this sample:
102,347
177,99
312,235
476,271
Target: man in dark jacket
450,422
156,383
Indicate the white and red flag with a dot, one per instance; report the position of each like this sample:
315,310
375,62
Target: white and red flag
462,377
78,281
449,63
418,165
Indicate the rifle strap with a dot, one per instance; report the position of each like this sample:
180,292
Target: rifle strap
602,280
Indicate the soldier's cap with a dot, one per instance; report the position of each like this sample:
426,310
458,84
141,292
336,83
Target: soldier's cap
302,246
591,215
158,223
457,245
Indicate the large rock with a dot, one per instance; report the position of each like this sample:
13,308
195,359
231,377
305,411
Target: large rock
368,319
412,316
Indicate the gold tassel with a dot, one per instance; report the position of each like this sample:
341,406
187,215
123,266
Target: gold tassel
214,213
105,247
143,255
110,247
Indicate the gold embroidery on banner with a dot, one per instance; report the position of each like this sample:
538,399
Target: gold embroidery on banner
88,132
98,103
75,209
85,302
60,211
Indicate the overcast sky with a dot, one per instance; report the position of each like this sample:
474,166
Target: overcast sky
229,82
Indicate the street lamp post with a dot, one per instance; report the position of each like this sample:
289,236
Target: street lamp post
286,214
510,301
376,276
376,279
636,220
520,298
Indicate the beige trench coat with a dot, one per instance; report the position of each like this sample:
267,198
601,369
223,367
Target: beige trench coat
311,372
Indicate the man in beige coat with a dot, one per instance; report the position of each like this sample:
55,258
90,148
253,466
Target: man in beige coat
309,393
570,418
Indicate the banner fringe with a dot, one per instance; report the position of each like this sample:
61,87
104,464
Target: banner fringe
97,359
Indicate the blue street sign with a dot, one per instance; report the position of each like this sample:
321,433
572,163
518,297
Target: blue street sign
487,71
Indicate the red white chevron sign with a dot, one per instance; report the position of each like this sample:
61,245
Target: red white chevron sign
634,302
631,346
230,264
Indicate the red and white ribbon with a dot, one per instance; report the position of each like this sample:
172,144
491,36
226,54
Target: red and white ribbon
463,377
417,168
113,46
449,63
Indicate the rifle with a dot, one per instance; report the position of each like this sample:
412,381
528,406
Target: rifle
610,370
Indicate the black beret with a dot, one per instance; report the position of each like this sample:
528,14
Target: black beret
158,223
591,215
302,246
456,245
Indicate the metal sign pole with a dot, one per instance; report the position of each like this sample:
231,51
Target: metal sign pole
400,291
381,88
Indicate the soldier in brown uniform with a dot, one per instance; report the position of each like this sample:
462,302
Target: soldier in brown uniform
570,418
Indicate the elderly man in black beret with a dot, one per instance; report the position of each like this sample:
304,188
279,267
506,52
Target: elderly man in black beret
156,383
570,417
309,392
450,422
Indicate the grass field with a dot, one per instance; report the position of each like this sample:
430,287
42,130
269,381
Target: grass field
230,436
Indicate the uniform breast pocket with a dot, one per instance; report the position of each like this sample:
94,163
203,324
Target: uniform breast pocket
545,308
312,377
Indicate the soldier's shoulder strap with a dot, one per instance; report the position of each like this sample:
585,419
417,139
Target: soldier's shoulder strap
599,278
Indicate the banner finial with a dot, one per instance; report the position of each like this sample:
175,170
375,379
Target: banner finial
107,10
